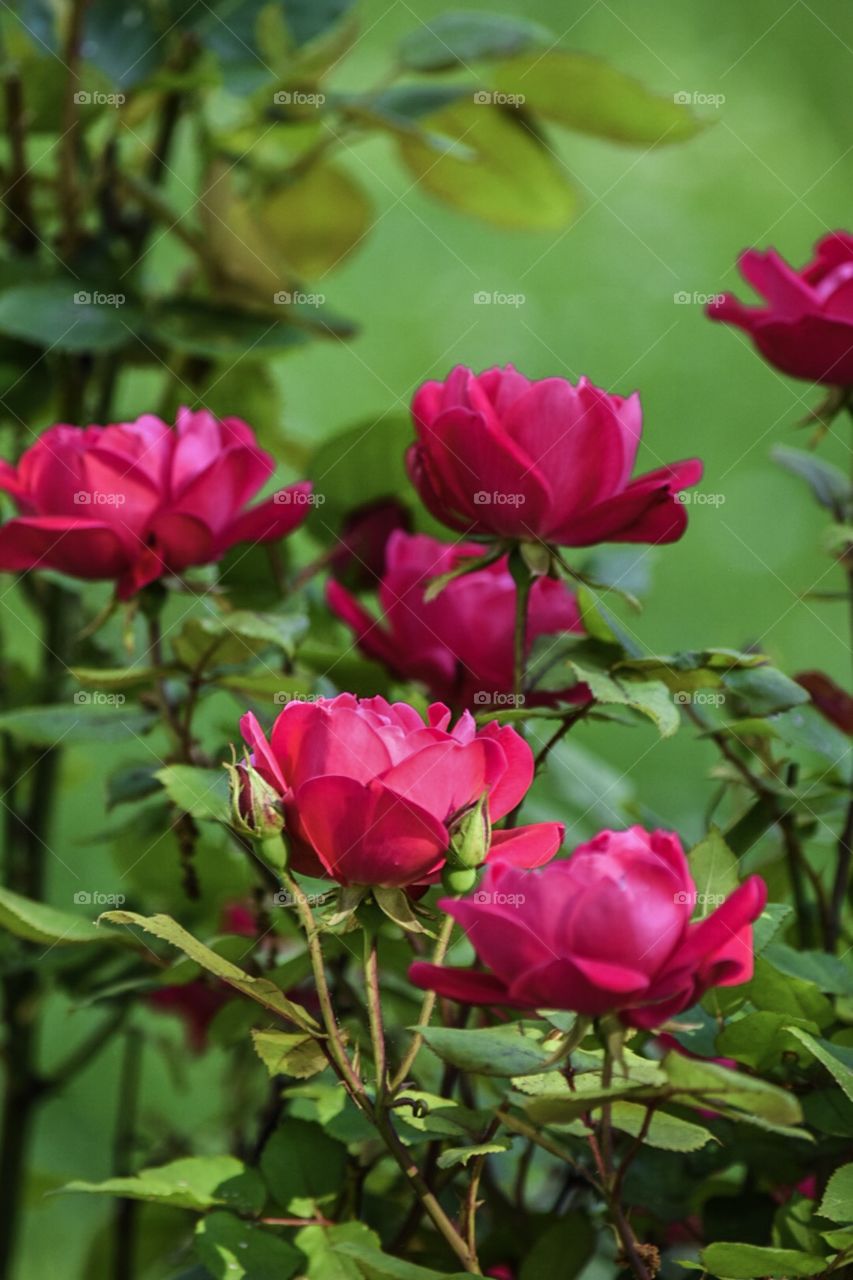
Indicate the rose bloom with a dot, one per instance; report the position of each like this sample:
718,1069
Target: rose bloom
370,791
499,455
139,499
359,559
607,931
805,327
460,645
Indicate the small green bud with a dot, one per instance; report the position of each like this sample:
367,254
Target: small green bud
256,809
470,836
458,880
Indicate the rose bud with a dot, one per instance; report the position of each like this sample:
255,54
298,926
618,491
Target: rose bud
833,703
138,500
359,559
501,456
256,812
607,931
459,644
805,327
372,794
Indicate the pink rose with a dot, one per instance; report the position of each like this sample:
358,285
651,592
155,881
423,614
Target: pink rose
460,644
500,456
138,499
806,327
371,792
359,558
606,931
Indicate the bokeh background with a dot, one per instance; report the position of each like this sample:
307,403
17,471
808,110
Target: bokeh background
774,167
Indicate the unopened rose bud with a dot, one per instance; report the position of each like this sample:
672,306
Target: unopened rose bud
255,807
470,836
458,880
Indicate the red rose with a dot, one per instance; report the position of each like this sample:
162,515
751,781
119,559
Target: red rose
460,645
372,794
501,456
137,500
806,327
606,931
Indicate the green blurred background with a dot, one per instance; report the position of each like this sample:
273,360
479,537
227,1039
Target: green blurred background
773,167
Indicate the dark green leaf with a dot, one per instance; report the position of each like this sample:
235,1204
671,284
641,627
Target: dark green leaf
235,1250
452,39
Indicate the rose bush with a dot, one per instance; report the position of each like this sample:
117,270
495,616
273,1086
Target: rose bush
137,500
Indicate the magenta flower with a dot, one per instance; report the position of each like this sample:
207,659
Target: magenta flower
805,327
460,644
371,792
608,930
138,500
498,455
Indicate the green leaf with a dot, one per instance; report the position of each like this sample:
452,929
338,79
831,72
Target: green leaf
491,1051
587,95
837,1202
829,485
232,638
512,179
48,315
320,1245
587,1095
259,989
781,993
650,697
200,328
563,1249
235,1250
764,690
302,1166
131,782
828,973
372,1264
203,793
772,919
713,867
759,1039
119,677
744,1261
197,1182
80,723
360,465
289,1054
666,1131
452,1156
37,922
837,1059
734,1093
452,39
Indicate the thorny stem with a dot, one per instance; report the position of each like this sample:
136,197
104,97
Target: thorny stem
523,585
611,1181
374,1014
